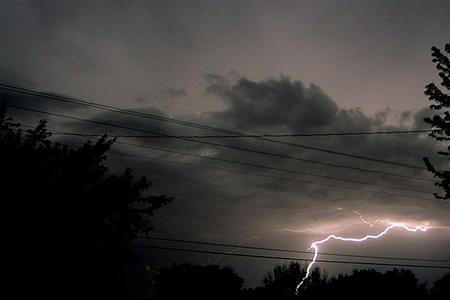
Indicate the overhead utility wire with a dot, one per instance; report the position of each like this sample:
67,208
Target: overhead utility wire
289,258
309,161
241,163
278,155
265,175
194,125
243,172
208,166
251,247
237,171
286,250
268,167
255,135
229,170
183,137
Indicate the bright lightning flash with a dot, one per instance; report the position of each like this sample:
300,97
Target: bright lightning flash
315,245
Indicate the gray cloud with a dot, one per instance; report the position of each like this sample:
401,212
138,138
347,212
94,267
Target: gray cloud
366,55
217,205
129,49
273,104
173,92
160,95
276,105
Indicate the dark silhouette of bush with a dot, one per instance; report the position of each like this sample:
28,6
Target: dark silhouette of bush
69,220
187,281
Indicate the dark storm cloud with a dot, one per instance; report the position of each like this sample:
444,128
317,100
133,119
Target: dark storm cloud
287,105
273,103
217,205
362,57
116,51
278,105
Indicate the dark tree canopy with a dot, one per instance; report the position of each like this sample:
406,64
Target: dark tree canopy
440,122
71,220
441,288
360,284
397,283
283,280
187,281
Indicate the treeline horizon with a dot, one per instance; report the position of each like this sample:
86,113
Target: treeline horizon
184,280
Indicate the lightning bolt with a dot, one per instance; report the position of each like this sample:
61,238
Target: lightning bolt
315,245
371,224
361,220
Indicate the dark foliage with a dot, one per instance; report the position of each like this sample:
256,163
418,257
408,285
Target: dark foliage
441,121
441,288
187,281
280,281
283,280
361,284
69,219
396,283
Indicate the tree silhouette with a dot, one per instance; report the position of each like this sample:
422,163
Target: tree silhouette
281,283
71,221
360,284
187,281
441,288
401,284
441,121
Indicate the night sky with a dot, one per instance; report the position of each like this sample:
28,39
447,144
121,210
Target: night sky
259,67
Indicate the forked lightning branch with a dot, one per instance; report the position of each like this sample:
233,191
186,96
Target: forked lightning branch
315,246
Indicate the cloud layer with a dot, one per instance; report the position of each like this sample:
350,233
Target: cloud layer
362,56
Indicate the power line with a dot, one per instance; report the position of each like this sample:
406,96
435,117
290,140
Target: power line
286,250
223,160
205,166
256,166
304,160
267,248
272,168
264,175
229,170
288,258
194,125
230,146
243,172
234,171
256,135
